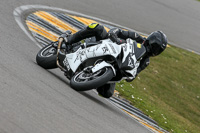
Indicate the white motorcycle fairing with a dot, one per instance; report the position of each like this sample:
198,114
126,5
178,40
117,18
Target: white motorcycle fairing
106,47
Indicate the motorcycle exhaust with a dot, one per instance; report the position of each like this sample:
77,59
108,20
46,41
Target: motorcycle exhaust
60,40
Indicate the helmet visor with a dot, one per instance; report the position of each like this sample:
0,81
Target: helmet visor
155,49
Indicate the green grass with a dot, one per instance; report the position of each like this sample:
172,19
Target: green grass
168,90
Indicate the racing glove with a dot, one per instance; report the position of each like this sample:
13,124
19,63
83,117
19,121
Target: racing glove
113,37
65,36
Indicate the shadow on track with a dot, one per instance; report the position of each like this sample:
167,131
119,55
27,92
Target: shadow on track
63,79
100,102
95,98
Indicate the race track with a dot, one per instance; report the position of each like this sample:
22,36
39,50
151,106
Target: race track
35,100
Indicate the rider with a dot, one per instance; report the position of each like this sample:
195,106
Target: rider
155,44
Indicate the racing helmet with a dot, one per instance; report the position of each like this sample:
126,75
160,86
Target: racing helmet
156,43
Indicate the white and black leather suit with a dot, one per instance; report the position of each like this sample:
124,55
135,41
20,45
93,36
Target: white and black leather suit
100,33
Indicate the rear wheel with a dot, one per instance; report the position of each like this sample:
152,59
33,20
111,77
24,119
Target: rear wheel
86,80
46,57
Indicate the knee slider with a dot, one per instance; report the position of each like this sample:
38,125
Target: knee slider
93,25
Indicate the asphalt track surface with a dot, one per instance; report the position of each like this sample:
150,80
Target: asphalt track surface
34,100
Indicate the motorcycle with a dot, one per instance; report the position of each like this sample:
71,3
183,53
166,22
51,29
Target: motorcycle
91,65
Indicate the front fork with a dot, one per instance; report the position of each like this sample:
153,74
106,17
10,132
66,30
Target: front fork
101,65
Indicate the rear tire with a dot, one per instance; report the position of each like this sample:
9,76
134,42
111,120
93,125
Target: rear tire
46,57
94,80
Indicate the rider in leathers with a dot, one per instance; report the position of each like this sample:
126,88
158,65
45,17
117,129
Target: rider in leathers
155,43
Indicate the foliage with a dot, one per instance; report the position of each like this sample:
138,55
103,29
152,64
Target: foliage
168,90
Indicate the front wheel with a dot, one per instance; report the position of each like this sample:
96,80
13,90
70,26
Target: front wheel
46,57
86,80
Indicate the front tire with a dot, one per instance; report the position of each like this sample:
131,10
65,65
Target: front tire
46,57
84,80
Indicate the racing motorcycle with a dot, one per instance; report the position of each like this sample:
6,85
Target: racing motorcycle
93,64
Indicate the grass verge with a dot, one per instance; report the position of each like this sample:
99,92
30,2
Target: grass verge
168,90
